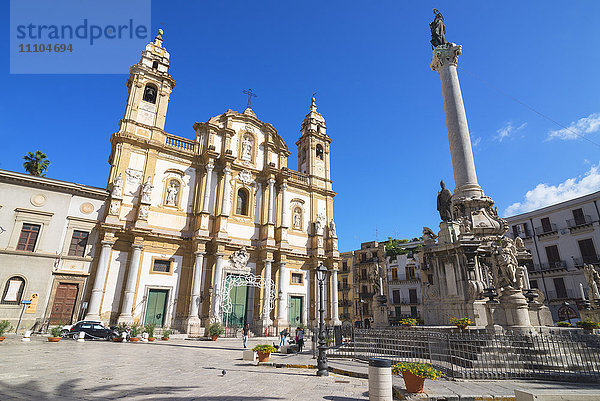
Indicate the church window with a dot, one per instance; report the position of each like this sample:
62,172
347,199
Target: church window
320,151
13,291
241,206
150,92
155,65
296,278
161,266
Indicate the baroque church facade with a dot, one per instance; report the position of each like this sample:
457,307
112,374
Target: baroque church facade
215,229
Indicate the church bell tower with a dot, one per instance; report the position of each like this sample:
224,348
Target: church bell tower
313,147
150,86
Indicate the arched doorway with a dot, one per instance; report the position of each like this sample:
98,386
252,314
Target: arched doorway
234,305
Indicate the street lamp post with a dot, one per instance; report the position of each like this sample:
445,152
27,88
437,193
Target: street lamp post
322,368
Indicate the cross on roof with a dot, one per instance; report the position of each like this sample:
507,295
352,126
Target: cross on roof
250,96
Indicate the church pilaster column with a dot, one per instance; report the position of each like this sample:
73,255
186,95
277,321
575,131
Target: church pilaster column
217,296
226,209
266,321
335,319
207,187
271,216
196,285
445,59
132,275
93,312
284,215
282,301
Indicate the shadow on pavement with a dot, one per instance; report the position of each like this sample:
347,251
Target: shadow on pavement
34,390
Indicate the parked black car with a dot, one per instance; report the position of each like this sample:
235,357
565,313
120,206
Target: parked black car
92,330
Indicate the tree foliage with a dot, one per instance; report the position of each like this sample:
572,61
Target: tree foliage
36,163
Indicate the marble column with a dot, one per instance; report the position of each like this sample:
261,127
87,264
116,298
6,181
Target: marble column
93,311
271,219
226,209
196,286
207,187
445,59
284,215
217,296
132,275
266,320
282,306
335,319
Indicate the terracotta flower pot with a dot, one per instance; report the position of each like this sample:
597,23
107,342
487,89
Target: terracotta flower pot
263,356
117,339
214,338
151,339
2,338
53,339
414,384
165,338
134,339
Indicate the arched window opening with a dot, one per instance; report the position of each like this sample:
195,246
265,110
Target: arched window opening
320,151
172,196
13,291
150,92
155,65
241,206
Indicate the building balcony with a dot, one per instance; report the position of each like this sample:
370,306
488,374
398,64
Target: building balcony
580,222
541,231
405,301
344,302
569,293
543,267
591,260
399,281
344,288
366,295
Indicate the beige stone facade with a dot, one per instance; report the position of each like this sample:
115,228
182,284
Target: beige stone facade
214,228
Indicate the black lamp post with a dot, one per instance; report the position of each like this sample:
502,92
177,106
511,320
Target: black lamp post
322,368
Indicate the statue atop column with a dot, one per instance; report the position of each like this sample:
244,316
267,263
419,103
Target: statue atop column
444,203
438,30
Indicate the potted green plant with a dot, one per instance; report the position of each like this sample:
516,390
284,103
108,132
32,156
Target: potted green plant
166,334
121,328
215,330
149,328
55,334
134,331
408,322
564,324
4,327
263,351
588,325
414,374
461,322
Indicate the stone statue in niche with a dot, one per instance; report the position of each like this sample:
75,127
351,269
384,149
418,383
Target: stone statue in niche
117,185
297,219
444,202
172,192
332,232
438,30
247,148
147,190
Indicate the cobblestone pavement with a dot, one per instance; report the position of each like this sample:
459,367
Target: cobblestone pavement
173,370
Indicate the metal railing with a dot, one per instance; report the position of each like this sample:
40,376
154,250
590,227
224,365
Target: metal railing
546,230
582,221
590,259
479,355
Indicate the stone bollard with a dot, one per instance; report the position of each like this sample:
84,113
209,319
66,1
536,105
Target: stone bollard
124,337
144,337
380,379
81,338
26,336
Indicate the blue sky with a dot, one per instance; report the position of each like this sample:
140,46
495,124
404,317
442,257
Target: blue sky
369,62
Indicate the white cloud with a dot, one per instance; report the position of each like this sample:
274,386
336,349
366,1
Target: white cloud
508,130
544,195
476,141
585,125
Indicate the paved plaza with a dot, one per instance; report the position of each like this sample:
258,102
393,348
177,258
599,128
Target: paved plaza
192,370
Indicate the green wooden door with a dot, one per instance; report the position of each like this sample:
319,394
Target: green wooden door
155,311
239,302
295,311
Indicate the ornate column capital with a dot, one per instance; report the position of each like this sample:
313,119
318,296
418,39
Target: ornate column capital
445,55
283,186
227,170
209,167
271,182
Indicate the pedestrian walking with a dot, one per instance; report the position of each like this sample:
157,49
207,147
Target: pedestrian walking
245,333
300,338
282,335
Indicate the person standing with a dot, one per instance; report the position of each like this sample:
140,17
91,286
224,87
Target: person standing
282,335
300,337
245,333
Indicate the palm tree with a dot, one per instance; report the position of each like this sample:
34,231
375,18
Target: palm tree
35,163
